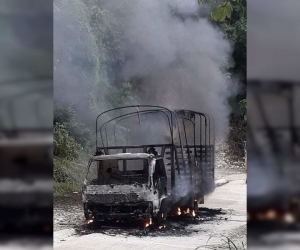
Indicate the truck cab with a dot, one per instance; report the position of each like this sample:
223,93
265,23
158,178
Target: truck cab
127,186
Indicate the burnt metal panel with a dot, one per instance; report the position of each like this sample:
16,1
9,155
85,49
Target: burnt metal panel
113,198
207,154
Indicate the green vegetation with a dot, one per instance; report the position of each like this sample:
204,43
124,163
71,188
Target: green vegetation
70,151
227,244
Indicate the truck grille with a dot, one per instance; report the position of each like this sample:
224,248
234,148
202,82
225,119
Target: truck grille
112,198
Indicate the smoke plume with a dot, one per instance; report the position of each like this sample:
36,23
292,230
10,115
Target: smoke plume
179,59
172,54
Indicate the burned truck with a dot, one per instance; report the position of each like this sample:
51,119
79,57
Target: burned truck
150,162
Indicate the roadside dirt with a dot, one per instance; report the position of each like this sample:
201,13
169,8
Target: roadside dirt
68,211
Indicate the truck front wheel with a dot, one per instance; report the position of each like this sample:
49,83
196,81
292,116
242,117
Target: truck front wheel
163,213
87,215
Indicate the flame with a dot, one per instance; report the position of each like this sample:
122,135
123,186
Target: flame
289,218
268,215
178,211
90,220
149,222
162,215
186,211
271,215
162,226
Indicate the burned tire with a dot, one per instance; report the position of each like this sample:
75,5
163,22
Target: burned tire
159,219
86,214
196,207
163,213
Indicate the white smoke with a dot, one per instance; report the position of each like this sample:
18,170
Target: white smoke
174,57
182,63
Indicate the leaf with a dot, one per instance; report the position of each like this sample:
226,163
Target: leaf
201,1
221,12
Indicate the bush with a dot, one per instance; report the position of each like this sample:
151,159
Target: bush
69,175
61,189
64,146
76,129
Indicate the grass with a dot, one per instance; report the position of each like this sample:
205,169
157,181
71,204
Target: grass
228,244
61,189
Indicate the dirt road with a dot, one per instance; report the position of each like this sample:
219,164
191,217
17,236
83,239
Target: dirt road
223,215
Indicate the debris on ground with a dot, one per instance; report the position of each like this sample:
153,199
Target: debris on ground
174,226
68,213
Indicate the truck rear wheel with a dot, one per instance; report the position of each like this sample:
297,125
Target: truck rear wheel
196,206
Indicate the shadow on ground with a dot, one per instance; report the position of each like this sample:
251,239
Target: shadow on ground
68,213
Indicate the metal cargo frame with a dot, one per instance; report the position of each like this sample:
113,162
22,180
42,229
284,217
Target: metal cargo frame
201,149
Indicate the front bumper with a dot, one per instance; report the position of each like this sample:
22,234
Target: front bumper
122,212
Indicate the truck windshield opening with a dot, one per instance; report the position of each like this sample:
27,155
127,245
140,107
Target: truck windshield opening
121,172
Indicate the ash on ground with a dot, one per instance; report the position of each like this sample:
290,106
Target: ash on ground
174,226
68,213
